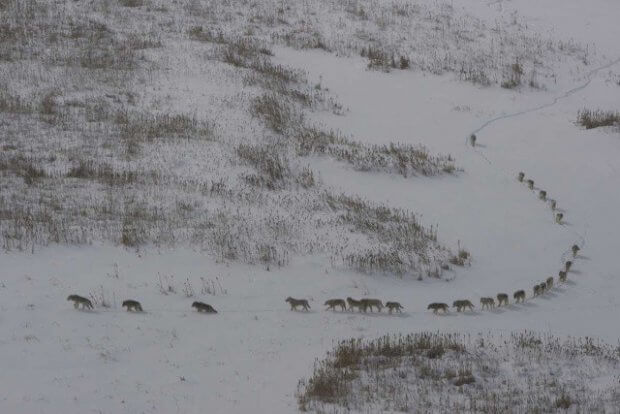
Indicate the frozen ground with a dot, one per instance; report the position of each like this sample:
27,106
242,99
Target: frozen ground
249,357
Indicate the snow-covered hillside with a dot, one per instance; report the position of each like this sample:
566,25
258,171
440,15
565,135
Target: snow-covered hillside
238,153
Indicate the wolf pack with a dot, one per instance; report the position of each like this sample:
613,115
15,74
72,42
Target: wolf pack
370,305
131,305
367,304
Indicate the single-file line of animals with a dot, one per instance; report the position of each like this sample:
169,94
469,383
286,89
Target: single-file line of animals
542,195
367,304
132,305
502,298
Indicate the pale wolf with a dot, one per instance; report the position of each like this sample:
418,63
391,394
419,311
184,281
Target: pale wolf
132,305
521,176
567,266
519,296
559,217
394,306
462,304
203,307
298,302
530,184
552,204
438,306
355,304
369,303
488,303
536,290
333,303
79,300
502,298
472,140
575,250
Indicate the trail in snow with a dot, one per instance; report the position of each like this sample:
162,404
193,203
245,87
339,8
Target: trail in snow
543,106
549,104
581,237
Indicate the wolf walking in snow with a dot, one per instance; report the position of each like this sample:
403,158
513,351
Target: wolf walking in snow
519,296
562,276
530,184
394,306
333,303
488,303
355,304
472,140
203,307
80,300
549,283
298,302
502,298
132,305
369,303
542,194
460,305
435,306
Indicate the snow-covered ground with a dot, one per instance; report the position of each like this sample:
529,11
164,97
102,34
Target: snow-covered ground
250,356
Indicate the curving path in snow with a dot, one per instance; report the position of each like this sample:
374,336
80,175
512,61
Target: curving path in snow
249,357
511,233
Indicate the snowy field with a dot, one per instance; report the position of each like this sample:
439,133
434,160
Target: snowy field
250,356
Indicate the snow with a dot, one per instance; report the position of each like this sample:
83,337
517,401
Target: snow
249,357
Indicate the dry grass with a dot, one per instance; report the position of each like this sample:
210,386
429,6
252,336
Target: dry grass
431,372
96,149
598,118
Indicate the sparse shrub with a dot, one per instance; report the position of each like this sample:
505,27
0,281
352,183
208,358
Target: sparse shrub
306,178
27,168
12,104
103,173
141,127
315,141
378,59
130,234
403,159
462,258
464,380
563,401
243,52
404,63
131,3
165,284
402,245
48,103
138,41
274,110
112,55
598,118
205,35
98,298
412,370
513,77
272,166
188,289
211,287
